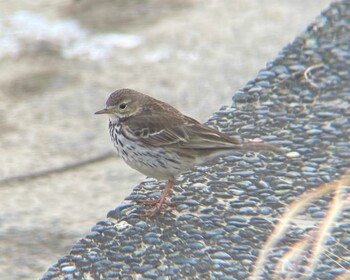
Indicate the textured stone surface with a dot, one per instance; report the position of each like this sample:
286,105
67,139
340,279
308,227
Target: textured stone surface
226,211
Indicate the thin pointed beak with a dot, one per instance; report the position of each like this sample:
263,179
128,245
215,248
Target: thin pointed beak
103,111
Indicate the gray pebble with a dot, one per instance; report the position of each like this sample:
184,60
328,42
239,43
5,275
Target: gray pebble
151,273
68,269
221,255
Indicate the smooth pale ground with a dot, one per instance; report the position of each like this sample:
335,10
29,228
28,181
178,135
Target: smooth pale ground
194,58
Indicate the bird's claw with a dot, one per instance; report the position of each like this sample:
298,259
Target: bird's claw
155,202
153,212
157,207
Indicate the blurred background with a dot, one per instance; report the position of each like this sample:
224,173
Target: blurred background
60,60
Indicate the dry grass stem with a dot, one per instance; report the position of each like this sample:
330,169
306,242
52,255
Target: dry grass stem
304,256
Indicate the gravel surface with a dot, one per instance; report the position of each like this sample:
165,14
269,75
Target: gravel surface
226,211
61,60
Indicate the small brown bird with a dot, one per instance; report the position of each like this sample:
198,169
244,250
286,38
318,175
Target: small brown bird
159,141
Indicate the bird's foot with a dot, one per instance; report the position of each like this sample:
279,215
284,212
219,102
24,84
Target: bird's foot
154,211
157,203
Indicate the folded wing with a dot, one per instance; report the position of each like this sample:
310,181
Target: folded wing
180,131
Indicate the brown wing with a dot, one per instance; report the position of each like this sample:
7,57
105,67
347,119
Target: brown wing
174,129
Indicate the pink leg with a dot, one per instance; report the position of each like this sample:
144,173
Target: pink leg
158,203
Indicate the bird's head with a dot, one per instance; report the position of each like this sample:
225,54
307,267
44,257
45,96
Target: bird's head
122,104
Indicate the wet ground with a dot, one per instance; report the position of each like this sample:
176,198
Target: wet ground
59,62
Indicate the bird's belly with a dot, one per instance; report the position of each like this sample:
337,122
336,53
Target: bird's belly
154,162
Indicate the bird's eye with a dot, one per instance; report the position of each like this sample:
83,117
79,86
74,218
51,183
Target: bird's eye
122,106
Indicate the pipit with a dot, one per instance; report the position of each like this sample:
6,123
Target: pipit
159,141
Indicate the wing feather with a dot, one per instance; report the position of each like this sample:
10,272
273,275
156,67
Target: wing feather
176,130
